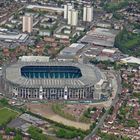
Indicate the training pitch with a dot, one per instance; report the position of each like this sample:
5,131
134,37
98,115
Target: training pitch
7,114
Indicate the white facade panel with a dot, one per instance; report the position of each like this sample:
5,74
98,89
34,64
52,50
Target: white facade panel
74,18
69,17
27,24
65,11
89,14
84,13
67,7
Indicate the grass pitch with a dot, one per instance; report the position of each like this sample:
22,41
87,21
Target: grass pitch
6,114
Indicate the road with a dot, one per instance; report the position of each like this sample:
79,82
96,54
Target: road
100,124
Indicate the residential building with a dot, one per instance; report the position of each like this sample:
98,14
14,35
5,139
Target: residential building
87,13
67,7
27,24
72,17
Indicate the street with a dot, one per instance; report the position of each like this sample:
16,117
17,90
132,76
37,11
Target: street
93,133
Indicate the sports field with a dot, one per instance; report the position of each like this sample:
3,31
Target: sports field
6,114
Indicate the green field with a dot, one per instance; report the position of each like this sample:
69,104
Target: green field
6,115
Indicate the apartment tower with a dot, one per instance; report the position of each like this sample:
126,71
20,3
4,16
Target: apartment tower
27,24
67,7
72,17
87,13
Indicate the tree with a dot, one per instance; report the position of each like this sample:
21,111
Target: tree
4,101
103,110
92,126
87,113
113,7
8,130
36,133
12,49
47,46
38,38
111,110
128,42
18,137
63,133
1,137
132,123
94,109
31,46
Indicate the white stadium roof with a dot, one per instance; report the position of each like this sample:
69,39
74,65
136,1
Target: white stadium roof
90,75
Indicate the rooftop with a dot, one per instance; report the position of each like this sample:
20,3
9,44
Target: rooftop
100,36
131,59
112,51
34,59
72,49
45,7
9,37
90,75
31,119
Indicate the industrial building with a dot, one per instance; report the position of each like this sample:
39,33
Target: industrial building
87,13
27,24
45,8
72,49
100,36
13,37
52,80
70,53
73,17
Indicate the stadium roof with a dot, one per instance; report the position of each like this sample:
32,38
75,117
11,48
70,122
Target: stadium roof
90,76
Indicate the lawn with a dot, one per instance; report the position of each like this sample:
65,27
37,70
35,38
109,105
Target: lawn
6,114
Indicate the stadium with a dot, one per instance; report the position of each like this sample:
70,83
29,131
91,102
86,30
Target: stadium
52,80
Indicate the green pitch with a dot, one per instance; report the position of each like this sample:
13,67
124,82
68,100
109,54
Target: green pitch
7,114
